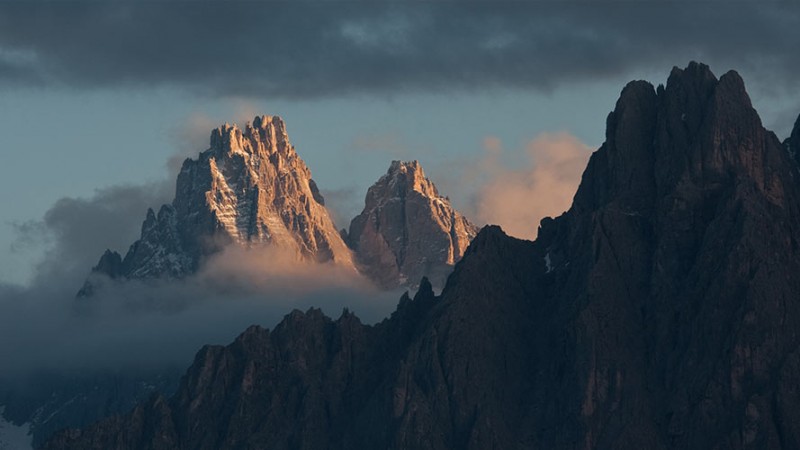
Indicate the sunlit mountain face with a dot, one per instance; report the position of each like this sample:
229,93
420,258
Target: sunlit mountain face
585,260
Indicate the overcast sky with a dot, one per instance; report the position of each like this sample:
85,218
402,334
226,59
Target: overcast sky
98,100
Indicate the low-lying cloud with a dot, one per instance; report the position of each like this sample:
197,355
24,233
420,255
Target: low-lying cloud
151,324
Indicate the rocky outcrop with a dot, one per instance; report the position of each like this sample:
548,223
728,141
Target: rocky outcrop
792,143
660,311
249,188
407,230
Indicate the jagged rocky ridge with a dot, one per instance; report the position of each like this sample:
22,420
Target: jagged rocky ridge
660,311
407,230
249,188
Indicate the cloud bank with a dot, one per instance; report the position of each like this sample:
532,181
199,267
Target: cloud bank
143,325
152,324
317,49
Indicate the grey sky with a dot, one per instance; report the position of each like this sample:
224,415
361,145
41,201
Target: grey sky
313,49
97,95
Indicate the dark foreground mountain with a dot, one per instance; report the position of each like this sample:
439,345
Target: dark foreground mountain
407,230
48,401
661,311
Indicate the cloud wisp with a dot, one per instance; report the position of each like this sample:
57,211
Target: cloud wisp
517,197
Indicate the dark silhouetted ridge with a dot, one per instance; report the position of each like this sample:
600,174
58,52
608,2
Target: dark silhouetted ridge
660,311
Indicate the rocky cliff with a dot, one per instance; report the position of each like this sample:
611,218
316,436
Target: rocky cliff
674,272
661,311
792,143
249,188
407,230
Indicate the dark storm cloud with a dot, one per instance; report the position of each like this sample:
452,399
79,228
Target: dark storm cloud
296,50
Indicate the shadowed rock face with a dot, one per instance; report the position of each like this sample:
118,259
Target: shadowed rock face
792,143
660,311
407,230
681,245
249,188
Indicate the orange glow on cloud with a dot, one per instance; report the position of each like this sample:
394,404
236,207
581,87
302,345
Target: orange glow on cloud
518,198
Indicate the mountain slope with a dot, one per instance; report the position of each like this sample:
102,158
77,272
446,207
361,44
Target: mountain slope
660,311
249,188
407,230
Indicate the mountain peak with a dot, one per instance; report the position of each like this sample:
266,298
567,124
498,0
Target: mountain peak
249,188
695,80
698,130
398,166
694,70
264,121
407,230
265,135
409,176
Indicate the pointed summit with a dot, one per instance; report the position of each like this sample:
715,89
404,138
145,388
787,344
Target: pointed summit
254,188
407,230
248,188
698,130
